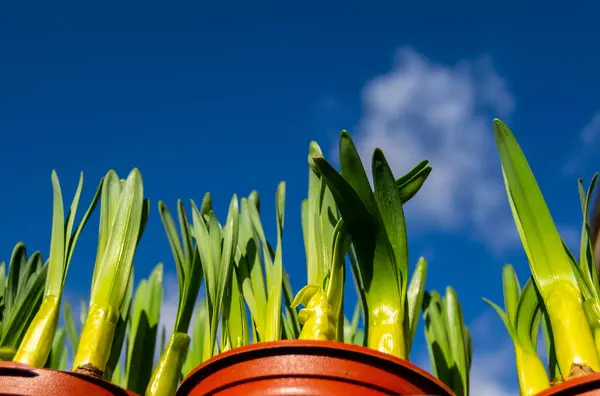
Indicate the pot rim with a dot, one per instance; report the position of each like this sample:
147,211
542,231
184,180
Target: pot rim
585,383
26,371
283,347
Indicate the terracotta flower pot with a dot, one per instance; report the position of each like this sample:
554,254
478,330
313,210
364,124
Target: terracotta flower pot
308,368
587,385
23,380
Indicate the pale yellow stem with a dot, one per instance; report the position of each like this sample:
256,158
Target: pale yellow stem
386,333
531,371
37,342
573,340
165,377
317,319
96,338
596,331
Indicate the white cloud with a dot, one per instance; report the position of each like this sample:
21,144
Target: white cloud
488,372
587,141
493,371
420,110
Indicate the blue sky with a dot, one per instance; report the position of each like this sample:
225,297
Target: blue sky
226,99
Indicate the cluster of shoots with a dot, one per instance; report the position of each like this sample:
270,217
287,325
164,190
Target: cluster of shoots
562,294
353,226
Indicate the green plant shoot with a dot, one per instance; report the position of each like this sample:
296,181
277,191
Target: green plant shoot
123,215
522,318
375,223
142,331
326,242
166,375
216,247
36,345
448,340
550,265
22,293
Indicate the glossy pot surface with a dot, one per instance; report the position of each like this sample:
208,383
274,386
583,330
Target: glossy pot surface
587,385
23,380
308,368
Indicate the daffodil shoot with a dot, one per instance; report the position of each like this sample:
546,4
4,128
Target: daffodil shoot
362,285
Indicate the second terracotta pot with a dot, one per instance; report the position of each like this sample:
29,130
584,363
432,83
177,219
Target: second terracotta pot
588,385
309,368
22,380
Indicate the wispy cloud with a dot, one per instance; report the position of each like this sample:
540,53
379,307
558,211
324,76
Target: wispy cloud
587,146
493,370
444,113
488,374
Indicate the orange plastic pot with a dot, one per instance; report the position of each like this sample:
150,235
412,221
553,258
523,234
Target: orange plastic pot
308,368
587,385
23,380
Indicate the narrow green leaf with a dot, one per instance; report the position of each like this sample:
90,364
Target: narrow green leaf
337,278
117,377
358,220
203,240
414,297
316,260
507,323
70,326
58,354
20,313
438,343
275,287
305,230
176,249
143,332
18,260
225,258
206,206
74,237
56,269
528,317
413,173
290,313
410,187
249,245
353,171
539,235
512,292
457,341
587,290
109,202
73,211
117,260
392,215
235,313
553,367
191,275
257,225
120,330
586,252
